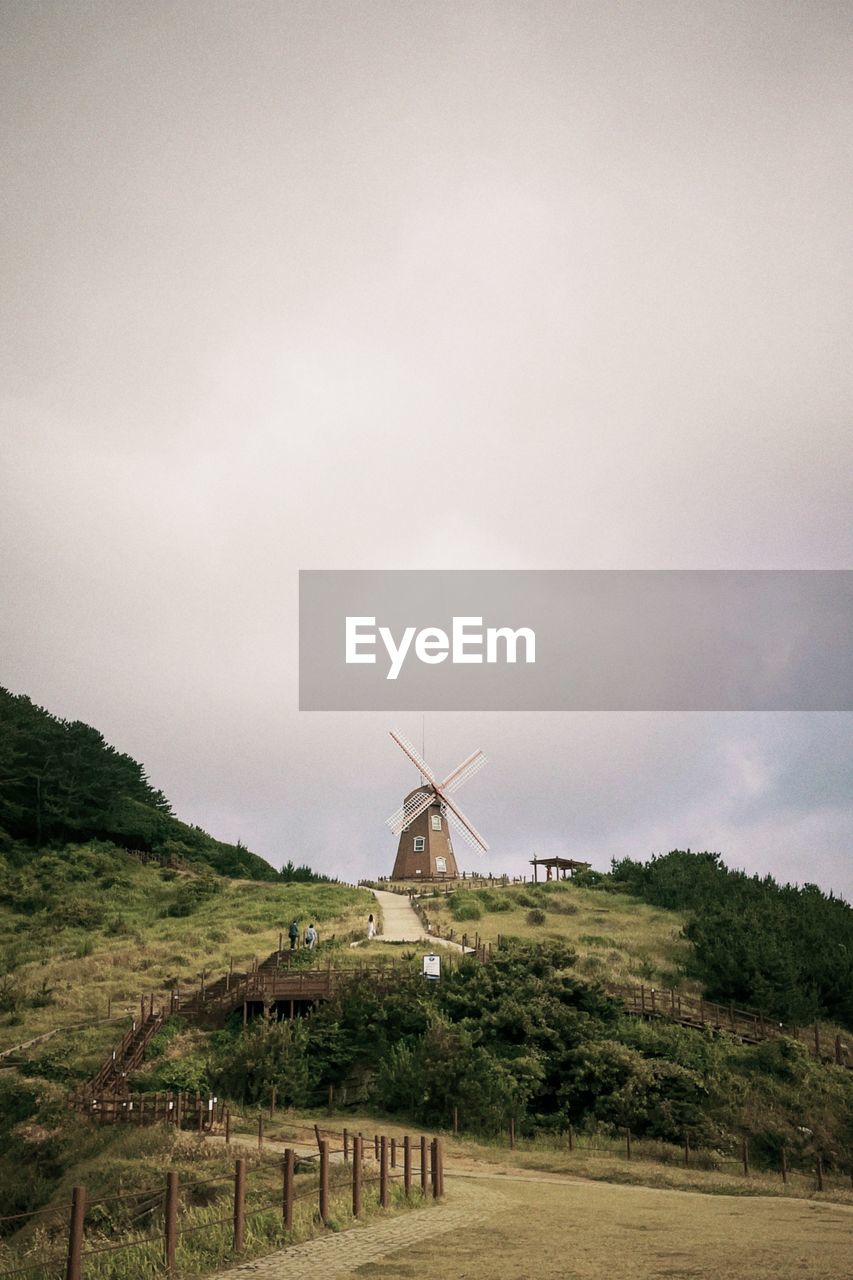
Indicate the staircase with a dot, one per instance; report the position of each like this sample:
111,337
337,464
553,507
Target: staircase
127,1055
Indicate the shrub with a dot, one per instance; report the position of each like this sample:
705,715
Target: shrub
536,916
466,909
495,901
525,899
76,913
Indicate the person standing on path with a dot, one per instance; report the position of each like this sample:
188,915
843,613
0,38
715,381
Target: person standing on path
371,927
310,937
293,934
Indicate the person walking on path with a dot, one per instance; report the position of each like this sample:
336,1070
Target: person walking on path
310,937
371,927
293,934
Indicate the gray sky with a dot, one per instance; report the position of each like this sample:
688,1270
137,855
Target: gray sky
395,285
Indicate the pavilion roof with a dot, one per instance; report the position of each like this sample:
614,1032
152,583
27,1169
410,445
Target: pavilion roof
568,863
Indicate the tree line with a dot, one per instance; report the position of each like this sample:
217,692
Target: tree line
62,783
785,949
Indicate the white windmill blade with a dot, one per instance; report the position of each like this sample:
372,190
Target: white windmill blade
410,809
469,833
466,770
418,761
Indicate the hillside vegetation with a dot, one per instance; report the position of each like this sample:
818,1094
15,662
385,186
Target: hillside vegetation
614,936
785,948
684,920
88,924
61,782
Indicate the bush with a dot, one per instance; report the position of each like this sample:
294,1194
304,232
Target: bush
193,894
76,913
536,916
495,902
466,908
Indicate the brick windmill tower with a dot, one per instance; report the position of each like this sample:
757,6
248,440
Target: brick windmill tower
425,851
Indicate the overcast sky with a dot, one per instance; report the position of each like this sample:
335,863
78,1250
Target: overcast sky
421,285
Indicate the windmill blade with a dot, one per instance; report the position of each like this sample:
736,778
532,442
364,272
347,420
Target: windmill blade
469,833
466,770
418,761
410,809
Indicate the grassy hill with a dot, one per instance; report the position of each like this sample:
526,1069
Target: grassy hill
91,925
530,1036
616,937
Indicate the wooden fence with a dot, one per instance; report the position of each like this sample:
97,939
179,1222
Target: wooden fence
421,1174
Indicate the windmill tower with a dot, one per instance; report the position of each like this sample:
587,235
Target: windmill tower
425,851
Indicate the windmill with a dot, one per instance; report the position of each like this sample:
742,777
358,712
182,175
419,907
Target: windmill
425,851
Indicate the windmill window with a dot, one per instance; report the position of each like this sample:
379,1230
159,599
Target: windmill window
420,844
436,821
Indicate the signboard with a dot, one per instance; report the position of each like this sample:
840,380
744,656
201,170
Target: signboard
432,967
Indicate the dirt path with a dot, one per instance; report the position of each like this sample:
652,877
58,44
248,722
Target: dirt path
554,1228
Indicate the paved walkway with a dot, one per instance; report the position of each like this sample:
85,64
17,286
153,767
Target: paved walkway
400,921
340,1254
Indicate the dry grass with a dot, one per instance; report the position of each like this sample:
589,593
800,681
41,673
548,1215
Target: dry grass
551,1230
142,950
616,937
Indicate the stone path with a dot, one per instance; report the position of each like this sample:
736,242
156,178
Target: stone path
340,1254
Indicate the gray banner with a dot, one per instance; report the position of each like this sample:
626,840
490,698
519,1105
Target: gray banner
576,640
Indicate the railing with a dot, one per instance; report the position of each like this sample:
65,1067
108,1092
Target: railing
745,1024
422,1175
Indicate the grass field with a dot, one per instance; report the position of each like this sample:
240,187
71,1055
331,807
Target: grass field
61,968
616,937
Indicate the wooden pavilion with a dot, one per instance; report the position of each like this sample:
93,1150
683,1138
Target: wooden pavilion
560,865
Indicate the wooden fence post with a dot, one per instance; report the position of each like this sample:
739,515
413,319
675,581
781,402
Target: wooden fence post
627,1144
346,1146
357,1146
571,1138
407,1166
433,1162
330,1102
383,1172
170,1216
272,1102
745,1158
393,1153
260,1131
228,1126
376,1146
784,1163
512,1133
424,1174
455,1121
818,1168
287,1200
74,1268
324,1180
239,1204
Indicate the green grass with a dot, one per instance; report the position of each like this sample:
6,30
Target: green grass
59,971
617,938
134,1163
